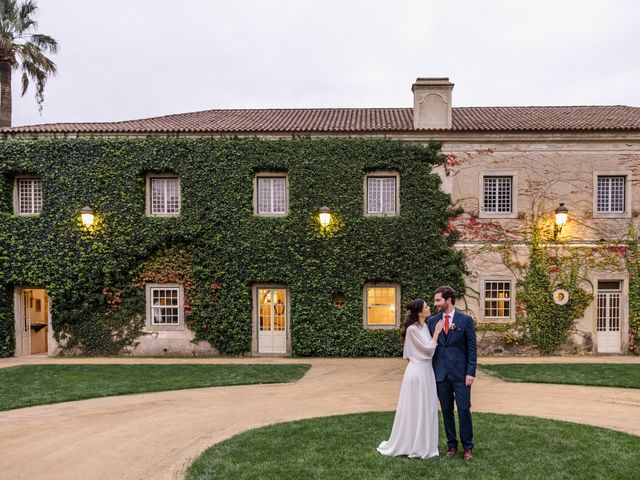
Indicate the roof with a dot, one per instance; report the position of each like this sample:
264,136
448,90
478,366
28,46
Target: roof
358,120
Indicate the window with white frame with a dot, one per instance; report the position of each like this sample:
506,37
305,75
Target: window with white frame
610,196
28,196
498,194
271,194
164,197
497,299
381,194
381,305
165,305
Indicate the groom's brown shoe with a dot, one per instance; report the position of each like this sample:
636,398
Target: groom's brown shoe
451,452
467,455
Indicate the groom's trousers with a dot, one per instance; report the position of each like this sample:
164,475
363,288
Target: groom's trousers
448,392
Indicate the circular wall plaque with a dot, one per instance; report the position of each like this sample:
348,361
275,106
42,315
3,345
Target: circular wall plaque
560,296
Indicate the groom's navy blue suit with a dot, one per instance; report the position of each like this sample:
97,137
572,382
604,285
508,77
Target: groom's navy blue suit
454,359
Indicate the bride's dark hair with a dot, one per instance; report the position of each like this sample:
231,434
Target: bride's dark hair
413,309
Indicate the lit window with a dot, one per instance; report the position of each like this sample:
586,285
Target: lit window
165,196
381,195
497,299
165,306
498,194
29,196
610,195
271,195
381,303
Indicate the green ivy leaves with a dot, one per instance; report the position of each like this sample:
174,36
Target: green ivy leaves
226,243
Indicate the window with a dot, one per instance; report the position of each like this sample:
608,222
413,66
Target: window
610,194
165,306
497,194
381,193
270,194
497,299
271,320
381,305
609,308
163,197
28,196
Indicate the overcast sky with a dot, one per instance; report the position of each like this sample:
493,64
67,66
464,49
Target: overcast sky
128,59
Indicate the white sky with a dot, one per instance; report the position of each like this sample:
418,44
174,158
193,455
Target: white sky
127,59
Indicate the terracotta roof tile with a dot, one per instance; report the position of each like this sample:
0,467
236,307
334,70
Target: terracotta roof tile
355,120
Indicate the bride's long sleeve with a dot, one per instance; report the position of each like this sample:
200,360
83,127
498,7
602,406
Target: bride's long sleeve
418,345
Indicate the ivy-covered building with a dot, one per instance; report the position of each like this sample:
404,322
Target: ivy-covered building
209,233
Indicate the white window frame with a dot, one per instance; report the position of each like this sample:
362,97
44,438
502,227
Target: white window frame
16,195
627,193
255,288
482,213
149,182
365,303
512,298
256,193
382,174
609,295
150,325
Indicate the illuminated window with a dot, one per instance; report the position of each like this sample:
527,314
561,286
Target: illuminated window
163,197
381,305
165,306
497,299
28,196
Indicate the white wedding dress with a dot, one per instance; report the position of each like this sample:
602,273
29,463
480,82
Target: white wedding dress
415,426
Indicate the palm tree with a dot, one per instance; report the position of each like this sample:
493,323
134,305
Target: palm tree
21,48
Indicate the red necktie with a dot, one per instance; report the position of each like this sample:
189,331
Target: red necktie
446,324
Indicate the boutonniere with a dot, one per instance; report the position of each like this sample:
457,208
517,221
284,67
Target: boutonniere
454,327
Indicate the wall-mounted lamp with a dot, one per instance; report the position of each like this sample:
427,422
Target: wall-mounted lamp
562,213
87,216
325,216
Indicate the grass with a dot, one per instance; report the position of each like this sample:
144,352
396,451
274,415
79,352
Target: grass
29,385
601,375
344,447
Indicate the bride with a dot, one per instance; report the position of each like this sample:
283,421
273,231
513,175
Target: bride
415,426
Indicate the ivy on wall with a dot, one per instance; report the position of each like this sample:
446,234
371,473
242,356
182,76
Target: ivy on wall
544,323
217,247
632,260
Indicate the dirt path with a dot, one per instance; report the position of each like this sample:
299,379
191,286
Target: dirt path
156,436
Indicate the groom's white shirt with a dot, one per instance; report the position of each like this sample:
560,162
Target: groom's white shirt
450,316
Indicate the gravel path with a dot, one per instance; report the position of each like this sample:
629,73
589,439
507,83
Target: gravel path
157,435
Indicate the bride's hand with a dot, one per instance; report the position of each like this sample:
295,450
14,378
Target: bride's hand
438,329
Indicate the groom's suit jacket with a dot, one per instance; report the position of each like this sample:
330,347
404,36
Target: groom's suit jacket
456,353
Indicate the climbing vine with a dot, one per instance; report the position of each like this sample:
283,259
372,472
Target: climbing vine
217,248
632,259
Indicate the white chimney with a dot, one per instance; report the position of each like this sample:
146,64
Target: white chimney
432,103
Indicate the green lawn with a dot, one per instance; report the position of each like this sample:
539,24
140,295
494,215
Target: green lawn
344,447
28,385
601,374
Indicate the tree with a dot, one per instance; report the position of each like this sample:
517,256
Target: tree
21,48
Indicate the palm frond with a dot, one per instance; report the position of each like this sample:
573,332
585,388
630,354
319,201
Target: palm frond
30,52
44,42
25,83
24,20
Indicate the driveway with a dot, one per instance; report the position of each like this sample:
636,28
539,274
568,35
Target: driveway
157,435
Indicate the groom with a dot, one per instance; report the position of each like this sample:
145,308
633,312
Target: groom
454,364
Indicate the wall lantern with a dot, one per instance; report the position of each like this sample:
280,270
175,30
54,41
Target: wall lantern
325,216
87,215
562,213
